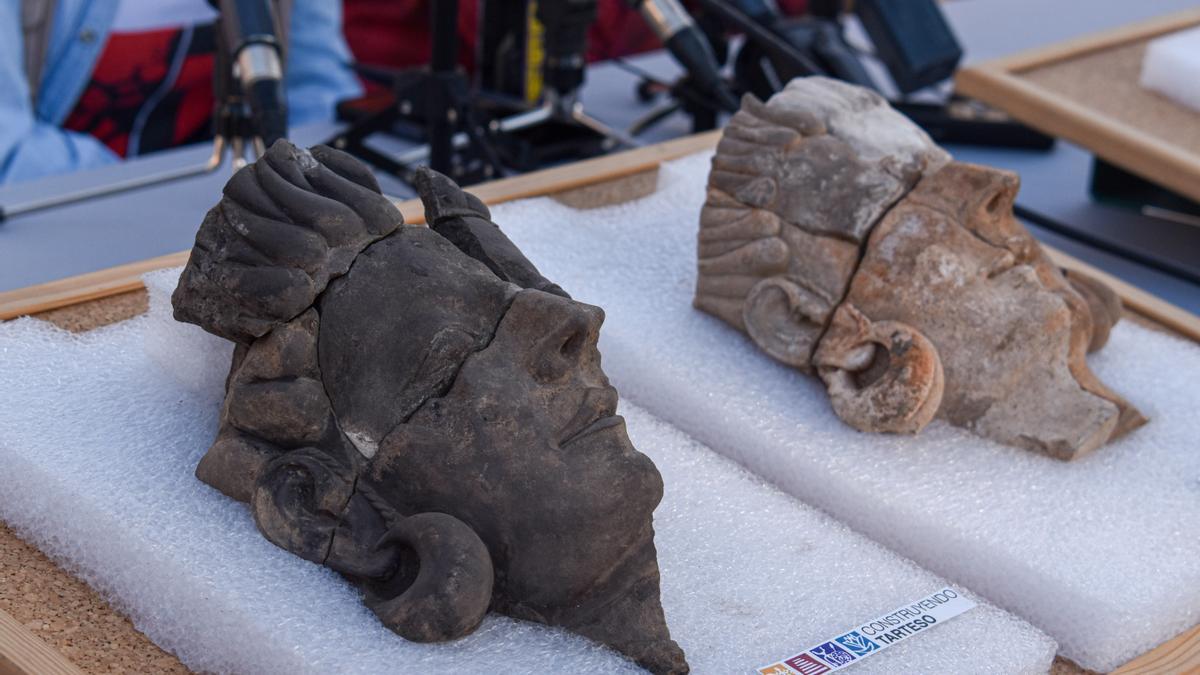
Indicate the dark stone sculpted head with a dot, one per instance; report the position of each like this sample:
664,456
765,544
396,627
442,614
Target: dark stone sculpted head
420,410
845,243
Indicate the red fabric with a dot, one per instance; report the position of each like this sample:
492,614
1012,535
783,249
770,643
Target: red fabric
619,31
130,70
395,33
792,7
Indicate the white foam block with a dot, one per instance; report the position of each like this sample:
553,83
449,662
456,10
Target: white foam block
183,351
102,431
1171,66
1103,554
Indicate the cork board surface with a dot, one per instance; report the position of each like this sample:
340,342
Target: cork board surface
97,313
1106,81
69,616
607,193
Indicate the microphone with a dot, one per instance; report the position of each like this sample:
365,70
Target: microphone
685,41
813,48
250,33
566,25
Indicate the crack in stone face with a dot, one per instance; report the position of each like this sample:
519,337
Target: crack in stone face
439,308
862,253
341,516
442,391
296,251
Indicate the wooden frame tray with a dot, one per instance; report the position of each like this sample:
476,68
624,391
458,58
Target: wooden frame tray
1086,91
107,296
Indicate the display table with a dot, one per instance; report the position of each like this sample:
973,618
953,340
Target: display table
149,226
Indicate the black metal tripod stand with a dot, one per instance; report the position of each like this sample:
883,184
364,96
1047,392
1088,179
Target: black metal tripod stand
474,136
433,105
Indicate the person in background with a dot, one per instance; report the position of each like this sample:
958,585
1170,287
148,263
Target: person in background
123,78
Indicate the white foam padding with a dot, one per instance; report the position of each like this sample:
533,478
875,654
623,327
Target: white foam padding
1103,553
1171,67
181,350
101,433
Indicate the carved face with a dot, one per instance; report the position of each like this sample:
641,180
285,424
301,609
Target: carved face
565,421
548,510
909,287
433,423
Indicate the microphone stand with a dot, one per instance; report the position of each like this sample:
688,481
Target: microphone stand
702,92
438,103
566,23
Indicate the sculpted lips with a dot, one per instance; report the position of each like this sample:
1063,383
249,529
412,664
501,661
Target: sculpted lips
597,412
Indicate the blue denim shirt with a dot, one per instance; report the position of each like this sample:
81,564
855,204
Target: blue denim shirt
32,142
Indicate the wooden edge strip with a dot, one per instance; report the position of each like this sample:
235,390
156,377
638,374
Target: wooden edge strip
591,171
1086,44
128,277
22,653
1111,139
84,287
1180,654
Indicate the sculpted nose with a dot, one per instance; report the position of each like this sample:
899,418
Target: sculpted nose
571,333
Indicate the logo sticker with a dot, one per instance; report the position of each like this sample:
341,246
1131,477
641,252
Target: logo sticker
857,643
807,665
832,654
874,636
